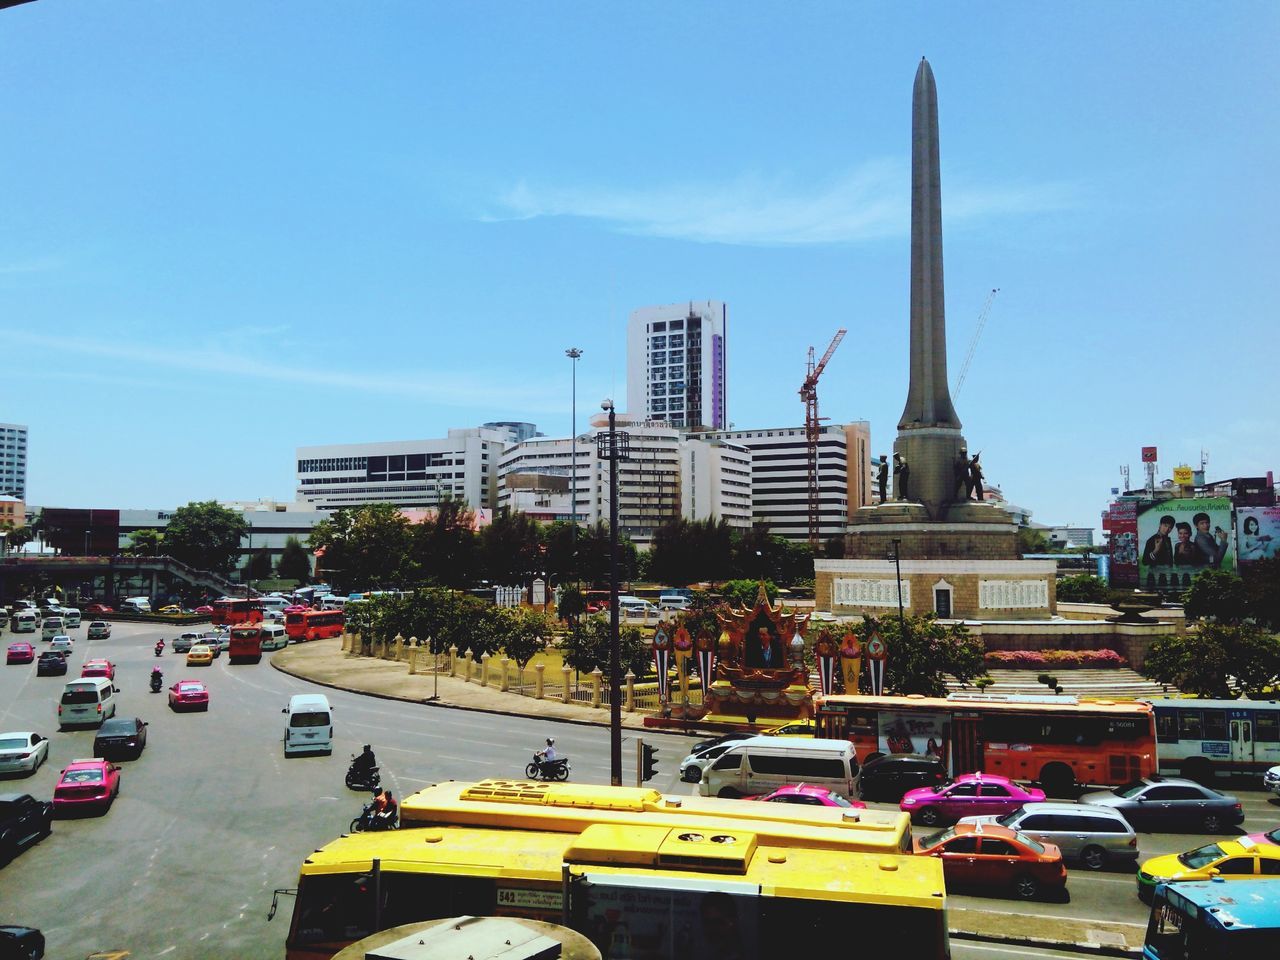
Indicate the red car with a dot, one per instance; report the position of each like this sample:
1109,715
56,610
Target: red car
94,609
806,795
86,784
205,610
188,695
98,668
983,855
968,795
20,652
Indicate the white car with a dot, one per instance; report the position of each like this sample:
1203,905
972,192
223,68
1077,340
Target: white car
22,751
1271,780
99,630
691,767
61,644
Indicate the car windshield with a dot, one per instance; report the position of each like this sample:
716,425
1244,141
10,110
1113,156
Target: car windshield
13,743
1274,835
116,728
940,837
1009,819
1201,856
1130,790
837,800
82,776
1026,841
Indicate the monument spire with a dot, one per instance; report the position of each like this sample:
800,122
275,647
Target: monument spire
928,396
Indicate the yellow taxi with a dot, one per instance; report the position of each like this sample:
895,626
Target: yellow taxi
1236,859
199,656
796,728
171,608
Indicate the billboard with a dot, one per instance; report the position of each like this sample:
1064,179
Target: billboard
1182,537
625,918
1257,534
908,732
1121,524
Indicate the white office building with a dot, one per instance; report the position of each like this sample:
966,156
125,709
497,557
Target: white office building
780,476
13,460
676,364
666,475
407,473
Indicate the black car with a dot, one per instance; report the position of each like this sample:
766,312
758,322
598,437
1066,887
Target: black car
120,738
51,665
21,943
23,821
887,778
1160,803
716,741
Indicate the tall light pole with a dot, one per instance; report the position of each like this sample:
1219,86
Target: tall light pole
573,353
897,569
613,446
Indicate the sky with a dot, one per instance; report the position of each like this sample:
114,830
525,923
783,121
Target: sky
232,228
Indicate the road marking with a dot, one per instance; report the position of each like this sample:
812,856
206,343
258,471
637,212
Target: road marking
1090,879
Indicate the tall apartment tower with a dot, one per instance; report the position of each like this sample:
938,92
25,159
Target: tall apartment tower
13,460
676,364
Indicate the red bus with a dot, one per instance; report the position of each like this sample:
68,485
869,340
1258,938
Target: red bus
313,625
229,612
1057,741
246,644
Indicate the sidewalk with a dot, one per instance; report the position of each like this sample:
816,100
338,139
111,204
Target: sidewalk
323,662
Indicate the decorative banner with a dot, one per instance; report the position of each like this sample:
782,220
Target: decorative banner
850,661
825,650
706,645
662,660
877,653
683,644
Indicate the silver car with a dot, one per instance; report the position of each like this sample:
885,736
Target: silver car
1092,834
1271,780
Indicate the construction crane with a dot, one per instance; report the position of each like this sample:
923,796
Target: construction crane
973,344
813,429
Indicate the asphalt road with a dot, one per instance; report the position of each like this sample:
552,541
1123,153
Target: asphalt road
212,817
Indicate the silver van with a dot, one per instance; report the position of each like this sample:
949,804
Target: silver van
1088,832
309,727
52,627
72,617
760,765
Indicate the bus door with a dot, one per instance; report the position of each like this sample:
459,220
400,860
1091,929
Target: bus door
966,738
1241,741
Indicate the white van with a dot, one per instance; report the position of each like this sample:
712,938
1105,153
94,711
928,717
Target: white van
309,728
136,605
635,607
89,700
273,637
52,627
72,617
673,601
273,604
760,765
23,621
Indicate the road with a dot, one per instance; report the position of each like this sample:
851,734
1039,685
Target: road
212,817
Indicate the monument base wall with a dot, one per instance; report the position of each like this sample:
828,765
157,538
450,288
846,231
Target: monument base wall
969,531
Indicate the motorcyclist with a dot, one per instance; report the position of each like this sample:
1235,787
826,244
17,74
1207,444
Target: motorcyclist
385,808
547,755
365,762
160,646
157,678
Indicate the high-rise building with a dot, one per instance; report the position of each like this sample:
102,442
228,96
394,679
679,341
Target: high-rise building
407,473
13,460
676,364
780,476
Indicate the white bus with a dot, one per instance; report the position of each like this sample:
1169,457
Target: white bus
1200,738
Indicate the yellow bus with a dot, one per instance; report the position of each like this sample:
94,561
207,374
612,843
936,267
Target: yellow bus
657,892
572,807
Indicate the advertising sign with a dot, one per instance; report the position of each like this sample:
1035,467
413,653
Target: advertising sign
1184,476
1148,454
923,733
1257,534
1122,524
1182,537
636,922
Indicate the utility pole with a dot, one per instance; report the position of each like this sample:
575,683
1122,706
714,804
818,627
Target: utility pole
614,446
573,353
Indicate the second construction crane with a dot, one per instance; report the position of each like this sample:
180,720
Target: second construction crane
813,430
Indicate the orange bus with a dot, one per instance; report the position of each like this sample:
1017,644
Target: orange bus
246,644
1058,741
313,624
228,612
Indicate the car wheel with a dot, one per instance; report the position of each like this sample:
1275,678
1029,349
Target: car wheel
8,851
1026,888
728,793
1212,823
930,817
1093,857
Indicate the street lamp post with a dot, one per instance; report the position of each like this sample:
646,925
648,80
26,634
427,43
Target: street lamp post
573,353
613,446
897,569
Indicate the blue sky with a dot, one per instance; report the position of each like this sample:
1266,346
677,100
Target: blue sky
231,228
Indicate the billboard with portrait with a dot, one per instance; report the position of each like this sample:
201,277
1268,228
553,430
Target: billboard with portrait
1121,524
1257,534
1179,538
909,732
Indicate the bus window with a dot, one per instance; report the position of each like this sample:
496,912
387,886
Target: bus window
1215,725
1266,727
1167,726
1189,724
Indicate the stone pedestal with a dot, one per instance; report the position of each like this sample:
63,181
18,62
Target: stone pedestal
967,530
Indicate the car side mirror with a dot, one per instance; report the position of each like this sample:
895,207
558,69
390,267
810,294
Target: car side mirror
284,709
115,689
1142,798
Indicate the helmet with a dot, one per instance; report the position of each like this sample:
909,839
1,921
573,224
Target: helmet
550,741
367,748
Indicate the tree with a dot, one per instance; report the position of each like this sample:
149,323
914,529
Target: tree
206,536
528,634
294,562
920,661
1220,660
587,646
1032,541
366,547
1262,591
511,549
259,567
1216,595
17,536
1082,588
687,551
146,543
572,605
743,593
445,545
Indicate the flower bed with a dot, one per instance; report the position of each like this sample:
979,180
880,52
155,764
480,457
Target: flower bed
1038,659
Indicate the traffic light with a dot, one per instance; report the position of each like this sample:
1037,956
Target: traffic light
649,763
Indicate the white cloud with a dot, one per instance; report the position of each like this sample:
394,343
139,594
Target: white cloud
866,204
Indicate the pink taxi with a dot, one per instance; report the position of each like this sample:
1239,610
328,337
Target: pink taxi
806,795
968,795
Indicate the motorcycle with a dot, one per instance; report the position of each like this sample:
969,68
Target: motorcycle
542,769
157,681
363,780
370,820
160,649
